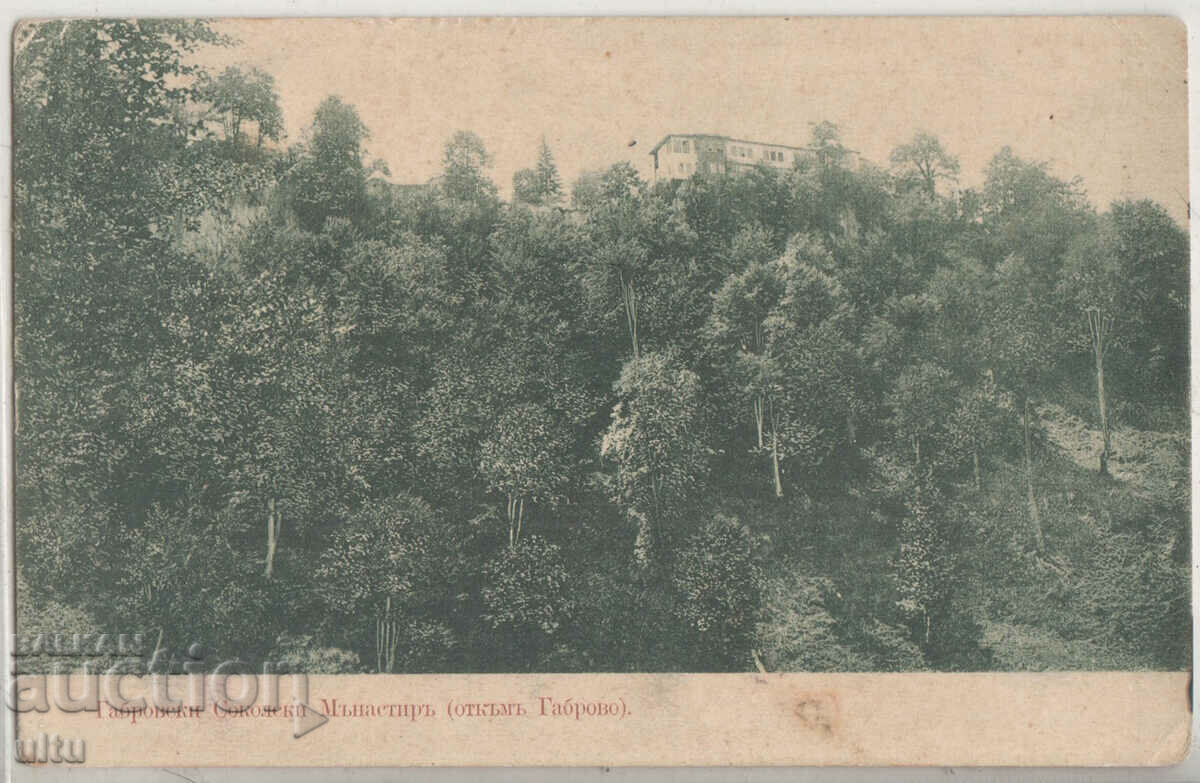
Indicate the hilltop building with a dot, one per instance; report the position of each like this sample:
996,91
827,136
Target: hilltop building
681,155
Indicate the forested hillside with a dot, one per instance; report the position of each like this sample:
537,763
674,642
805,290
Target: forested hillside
830,419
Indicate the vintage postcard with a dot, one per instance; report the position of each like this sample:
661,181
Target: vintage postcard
690,391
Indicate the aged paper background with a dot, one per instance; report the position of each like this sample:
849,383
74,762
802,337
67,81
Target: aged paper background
916,719
1100,97
1110,718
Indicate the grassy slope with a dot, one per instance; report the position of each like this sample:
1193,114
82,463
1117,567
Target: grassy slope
1110,590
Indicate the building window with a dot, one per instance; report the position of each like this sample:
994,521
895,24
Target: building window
681,145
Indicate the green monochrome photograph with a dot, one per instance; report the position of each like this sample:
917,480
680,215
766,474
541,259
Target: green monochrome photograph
593,346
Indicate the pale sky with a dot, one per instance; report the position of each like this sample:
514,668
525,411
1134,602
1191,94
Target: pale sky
1100,98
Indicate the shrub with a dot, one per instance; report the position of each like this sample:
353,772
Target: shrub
525,599
719,586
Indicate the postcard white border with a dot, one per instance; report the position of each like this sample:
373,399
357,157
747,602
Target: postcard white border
16,9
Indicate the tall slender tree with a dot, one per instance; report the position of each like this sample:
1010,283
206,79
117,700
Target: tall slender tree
548,182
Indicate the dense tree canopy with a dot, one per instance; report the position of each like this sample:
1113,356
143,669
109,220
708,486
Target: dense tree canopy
239,96
830,417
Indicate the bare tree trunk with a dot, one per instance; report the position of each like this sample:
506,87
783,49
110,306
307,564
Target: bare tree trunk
644,544
637,345
387,639
512,527
379,621
1035,515
520,517
1106,452
978,473
758,418
629,299
775,463
655,488
1100,327
274,529
392,637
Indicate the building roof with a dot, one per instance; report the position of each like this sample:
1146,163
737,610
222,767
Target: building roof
724,138
656,147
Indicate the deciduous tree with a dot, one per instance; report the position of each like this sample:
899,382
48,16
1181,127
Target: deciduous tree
657,443
925,159
525,458
383,570
245,95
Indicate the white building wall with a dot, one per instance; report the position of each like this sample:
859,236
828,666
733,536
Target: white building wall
676,158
